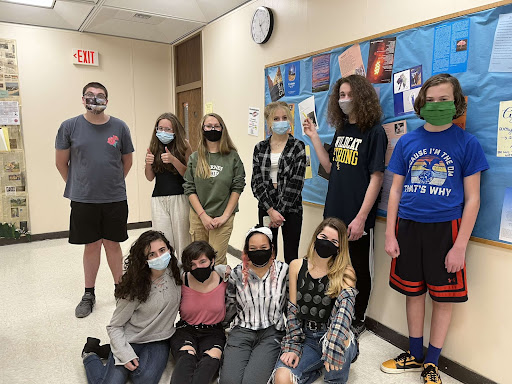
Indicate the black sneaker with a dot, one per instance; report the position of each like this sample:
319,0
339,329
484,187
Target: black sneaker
357,352
93,346
430,374
84,308
358,327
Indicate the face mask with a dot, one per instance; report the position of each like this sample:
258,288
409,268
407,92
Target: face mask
202,274
325,248
260,258
280,127
439,113
212,135
346,106
160,262
95,105
165,137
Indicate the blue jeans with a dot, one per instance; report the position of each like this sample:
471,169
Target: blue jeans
311,364
153,358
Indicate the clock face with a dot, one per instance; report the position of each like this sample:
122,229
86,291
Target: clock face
262,25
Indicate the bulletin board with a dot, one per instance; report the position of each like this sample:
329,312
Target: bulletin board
460,44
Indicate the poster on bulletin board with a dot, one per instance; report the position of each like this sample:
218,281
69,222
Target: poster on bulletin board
397,64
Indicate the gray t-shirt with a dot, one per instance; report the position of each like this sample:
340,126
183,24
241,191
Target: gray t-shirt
96,173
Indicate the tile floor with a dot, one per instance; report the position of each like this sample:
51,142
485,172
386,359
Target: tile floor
41,340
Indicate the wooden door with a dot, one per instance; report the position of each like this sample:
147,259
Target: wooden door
189,108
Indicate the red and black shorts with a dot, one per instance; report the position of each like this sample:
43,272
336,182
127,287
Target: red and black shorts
421,263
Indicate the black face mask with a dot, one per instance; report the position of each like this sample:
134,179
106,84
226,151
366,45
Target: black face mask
212,135
260,258
325,248
202,274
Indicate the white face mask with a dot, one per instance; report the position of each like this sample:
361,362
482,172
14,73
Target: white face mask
346,106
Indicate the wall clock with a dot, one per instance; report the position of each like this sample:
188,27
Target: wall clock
262,25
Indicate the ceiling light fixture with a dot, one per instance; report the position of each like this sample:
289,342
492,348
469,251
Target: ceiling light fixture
35,3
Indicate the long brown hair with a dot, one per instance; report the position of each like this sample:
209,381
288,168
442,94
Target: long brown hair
178,147
135,283
442,78
340,273
365,104
225,147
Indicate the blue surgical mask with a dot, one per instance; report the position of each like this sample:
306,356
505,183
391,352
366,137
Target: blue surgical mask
280,127
165,137
160,262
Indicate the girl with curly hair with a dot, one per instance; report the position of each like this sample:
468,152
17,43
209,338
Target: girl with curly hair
166,160
278,169
214,181
355,162
255,303
320,310
199,340
148,299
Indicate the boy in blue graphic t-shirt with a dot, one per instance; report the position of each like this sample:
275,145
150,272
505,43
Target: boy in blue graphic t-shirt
433,205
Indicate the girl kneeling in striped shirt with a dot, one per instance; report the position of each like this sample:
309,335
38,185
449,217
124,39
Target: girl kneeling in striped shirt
255,302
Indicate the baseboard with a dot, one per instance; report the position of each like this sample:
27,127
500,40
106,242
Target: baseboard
62,234
451,368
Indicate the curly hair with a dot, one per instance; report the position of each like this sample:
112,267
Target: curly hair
194,251
135,283
366,107
178,147
340,273
442,78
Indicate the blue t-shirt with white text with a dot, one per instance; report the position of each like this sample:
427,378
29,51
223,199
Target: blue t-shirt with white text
434,165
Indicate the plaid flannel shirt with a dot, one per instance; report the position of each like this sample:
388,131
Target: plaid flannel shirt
333,346
287,197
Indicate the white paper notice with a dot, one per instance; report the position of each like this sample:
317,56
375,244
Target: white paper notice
506,217
254,121
501,56
9,113
307,111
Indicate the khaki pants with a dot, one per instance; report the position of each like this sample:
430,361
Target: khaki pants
218,237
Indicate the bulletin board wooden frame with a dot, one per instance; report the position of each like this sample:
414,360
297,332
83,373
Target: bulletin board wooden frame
485,229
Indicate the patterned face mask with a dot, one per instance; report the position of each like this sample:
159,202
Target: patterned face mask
95,104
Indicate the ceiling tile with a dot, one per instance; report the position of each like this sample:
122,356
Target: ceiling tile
64,15
116,22
213,9
183,9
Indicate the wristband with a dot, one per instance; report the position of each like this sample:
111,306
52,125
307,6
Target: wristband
200,214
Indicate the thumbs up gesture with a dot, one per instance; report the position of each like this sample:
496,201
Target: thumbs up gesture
167,156
150,158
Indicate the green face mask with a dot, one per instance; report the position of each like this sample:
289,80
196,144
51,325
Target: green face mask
439,113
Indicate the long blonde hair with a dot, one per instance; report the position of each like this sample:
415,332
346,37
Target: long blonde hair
178,147
225,147
340,272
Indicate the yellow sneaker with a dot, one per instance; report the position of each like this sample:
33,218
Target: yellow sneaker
430,374
404,362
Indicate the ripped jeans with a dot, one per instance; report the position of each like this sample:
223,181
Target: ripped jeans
311,364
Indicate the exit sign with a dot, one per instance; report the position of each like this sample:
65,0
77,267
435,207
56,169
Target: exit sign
85,57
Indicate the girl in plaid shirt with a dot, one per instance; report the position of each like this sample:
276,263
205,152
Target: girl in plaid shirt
320,311
278,168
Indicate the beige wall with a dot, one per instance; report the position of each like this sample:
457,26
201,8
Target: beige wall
234,81
138,77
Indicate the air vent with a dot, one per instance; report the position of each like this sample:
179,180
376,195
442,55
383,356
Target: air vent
141,16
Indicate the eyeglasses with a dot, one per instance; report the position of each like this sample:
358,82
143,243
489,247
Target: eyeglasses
209,127
165,129
90,95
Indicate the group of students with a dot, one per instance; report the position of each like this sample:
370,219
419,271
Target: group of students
193,205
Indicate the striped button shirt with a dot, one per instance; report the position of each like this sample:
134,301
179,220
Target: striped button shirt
261,303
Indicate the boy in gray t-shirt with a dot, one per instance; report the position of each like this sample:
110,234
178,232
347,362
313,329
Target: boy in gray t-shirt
93,156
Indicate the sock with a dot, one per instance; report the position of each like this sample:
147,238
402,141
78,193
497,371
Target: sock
416,347
90,290
433,354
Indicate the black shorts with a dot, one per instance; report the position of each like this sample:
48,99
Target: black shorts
421,263
201,340
90,222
